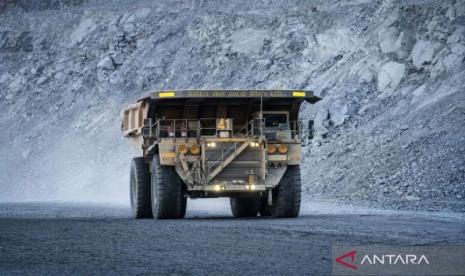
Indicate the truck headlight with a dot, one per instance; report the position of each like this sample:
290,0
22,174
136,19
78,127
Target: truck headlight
271,149
195,150
183,149
283,149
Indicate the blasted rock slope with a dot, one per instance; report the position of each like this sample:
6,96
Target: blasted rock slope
389,132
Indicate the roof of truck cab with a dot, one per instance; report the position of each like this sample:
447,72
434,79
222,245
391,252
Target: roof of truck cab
235,93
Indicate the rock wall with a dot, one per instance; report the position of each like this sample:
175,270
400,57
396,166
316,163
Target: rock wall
389,131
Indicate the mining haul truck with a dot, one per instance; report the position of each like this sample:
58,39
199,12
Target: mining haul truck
241,144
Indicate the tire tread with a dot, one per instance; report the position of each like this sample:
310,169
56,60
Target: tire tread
287,195
169,192
140,171
244,206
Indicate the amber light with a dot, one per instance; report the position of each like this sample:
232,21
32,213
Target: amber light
271,149
183,149
195,150
283,149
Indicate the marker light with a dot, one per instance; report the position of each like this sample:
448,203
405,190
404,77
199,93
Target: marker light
271,149
195,150
283,149
183,149
165,94
254,144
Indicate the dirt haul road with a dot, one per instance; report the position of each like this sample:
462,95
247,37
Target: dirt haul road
57,238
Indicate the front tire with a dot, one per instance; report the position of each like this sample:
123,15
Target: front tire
244,206
168,192
287,195
139,186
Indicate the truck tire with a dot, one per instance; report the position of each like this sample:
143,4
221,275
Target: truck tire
168,192
139,186
286,196
264,210
244,206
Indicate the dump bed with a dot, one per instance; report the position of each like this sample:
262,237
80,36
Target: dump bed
169,94
196,104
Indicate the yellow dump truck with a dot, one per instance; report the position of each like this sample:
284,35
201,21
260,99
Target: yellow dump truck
241,144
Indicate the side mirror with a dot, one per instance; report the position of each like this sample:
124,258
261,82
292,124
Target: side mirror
147,131
310,130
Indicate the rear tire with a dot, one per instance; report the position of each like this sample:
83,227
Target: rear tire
264,209
139,186
287,195
168,192
244,206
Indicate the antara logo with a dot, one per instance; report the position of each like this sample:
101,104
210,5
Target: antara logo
349,259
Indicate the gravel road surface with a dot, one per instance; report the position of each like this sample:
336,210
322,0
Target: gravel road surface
89,239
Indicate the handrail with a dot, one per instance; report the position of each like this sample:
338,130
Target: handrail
230,150
173,124
252,130
248,135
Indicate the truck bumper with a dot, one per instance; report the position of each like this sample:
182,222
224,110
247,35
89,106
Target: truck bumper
227,188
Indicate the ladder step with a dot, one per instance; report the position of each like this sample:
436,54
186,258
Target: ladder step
228,160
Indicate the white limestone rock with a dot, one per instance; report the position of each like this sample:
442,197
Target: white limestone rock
247,41
321,122
422,53
390,40
390,75
457,36
458,49
106,64
5,78
338,115
85,27
366,76
43,79
334,42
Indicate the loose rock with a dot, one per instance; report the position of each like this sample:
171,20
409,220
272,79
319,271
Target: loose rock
390,75
422,53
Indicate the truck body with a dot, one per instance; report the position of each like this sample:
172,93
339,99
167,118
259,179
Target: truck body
216,143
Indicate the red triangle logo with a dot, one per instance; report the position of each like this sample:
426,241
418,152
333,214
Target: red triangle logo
352,255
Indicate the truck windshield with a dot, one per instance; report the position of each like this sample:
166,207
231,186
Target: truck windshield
276,121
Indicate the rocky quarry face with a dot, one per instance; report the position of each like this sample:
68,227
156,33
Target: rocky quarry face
389,132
